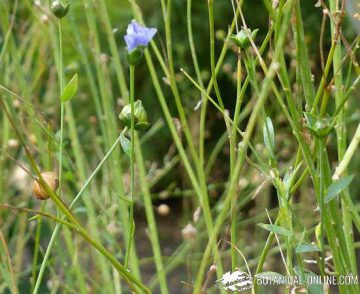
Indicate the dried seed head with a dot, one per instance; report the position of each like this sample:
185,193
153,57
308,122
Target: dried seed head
13,143
163,209
197,214
189,232
16,103
19,178
53,182
213,268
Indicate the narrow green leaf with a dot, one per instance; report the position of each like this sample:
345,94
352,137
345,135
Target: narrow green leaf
251,70
70,89
35,217
302,58
128,201
337,187
310,119
276,229
269,137
305,248
125,145
80,210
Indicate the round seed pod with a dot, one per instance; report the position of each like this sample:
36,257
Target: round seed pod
140,116
59,9
189,232
163,209
51,179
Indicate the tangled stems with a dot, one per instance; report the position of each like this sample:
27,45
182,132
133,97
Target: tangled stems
266,86
77,197
132,164
129,278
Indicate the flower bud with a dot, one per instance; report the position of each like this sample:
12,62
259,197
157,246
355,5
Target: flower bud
51,180
242,38
140,116
58,9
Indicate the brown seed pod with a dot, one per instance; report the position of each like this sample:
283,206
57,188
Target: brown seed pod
189,232
51,179
163,209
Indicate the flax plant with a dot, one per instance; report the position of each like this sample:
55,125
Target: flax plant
260,143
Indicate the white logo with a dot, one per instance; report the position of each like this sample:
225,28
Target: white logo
236,281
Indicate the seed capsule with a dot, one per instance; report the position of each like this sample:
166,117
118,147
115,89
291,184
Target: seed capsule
140,116
53,182
59,9
189,232
163,209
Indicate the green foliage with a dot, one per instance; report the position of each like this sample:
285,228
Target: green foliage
125,145
276,229
70,89
306,248
208,168
337,187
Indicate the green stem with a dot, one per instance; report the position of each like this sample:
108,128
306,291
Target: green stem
154,239
74,201
199,79
341,133
233,187
321,202
203,195
264,254
60,169
36,249
348,155
233,140
129,278
132,163
62,109
212,51
145,185
110,117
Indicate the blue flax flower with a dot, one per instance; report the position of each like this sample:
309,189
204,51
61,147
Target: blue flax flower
138,36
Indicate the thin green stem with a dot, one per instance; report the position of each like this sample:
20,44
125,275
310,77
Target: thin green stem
321,202
212,51
72,204
199,79
203,195
348,155
60,168
132,162
154,239
110,118
233,141
129,278
233,187
62,109
341,132
36,249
